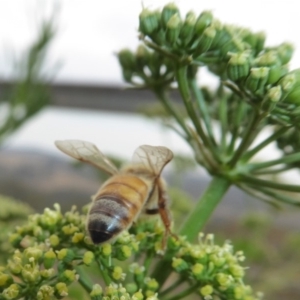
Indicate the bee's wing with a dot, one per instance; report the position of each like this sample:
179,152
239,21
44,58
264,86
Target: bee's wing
87,152
153,157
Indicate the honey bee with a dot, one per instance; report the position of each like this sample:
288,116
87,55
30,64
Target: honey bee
134,189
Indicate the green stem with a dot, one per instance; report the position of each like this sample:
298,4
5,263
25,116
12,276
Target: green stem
103,272
161,50
203,109
263,144
273,171
148,260
186,292
249,134
83,280
171,110
224,122
172,287
205,207
266,183
256,195
278,196
237,120
288,159
181,76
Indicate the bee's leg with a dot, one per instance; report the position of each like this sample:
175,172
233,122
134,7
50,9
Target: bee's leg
164,212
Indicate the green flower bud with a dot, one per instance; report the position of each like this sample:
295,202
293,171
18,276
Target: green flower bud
224,279
179,264
5,280
151,295
30,274
235,45
54,240
197,269
127,75
257,79
142,56
61,289
203,21
127,59
106,249
11,292
49,259
135,246
50,218
124,253
66,255
131,287
15,239
68,276
294,96
173,29
125,238
96,293
197,253
239,292
236,271
45,292
207,290
287,82
168,11
88,258
118,274
187,29
77,237
111,290
69,229
267,59
38,232
151,284
149,21
260,41
274,94
33,252
217,260
138,272
285,52
205,41
275,73
138,296
141,236
238,66
223,36
15,266
47,273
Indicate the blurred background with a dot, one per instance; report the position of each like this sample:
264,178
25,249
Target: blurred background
60,79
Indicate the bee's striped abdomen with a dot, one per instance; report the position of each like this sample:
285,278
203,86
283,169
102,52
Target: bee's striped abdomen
115,207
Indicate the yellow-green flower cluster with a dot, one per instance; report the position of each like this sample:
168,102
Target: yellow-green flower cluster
215,269
52,266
